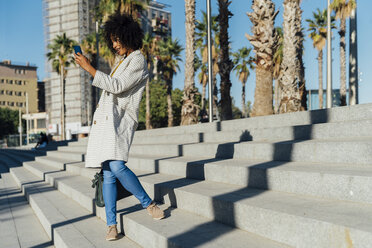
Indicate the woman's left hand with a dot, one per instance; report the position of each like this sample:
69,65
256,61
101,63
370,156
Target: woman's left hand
84,63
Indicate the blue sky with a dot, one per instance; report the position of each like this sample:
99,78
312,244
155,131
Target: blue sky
22,38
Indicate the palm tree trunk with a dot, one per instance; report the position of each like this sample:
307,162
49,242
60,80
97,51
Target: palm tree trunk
300,62
203,96
263,19
148,114
189,112
225,65
291,77
276,96
169,100
215,96
342,62
244,112
320,68
353,59
263,94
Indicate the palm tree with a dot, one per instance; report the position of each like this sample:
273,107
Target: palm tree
169,56
225,64
278,58
318,29
61,50
343,10
243,63
202,44
292,78
263,41
190,110
148,49
131,7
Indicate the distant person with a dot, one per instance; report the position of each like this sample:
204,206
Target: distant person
116,117
43,141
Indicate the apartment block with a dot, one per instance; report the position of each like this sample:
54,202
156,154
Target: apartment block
75,18
157,20
15,82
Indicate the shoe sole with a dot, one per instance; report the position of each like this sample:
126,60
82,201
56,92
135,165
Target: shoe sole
111,239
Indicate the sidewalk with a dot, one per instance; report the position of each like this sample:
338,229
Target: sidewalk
19,225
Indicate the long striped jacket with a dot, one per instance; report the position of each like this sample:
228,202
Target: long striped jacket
116,117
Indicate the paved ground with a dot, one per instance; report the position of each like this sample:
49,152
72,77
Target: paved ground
19,227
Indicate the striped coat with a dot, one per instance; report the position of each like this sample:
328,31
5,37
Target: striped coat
116,117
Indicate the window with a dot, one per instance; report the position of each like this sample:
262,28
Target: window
9,92
1,92
24,82
11,104
18,93
24,93
19,104
2,81
19,82
10,81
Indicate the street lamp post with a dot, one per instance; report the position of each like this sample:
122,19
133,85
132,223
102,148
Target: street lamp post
27,117
20,127
210,86
329,57
96,90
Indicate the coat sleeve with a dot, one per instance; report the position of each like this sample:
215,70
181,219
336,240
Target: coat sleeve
123,80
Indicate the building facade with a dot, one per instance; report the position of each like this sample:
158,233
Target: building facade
157,20
75,18
15,82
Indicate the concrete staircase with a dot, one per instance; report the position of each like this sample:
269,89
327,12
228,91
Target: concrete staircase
292,180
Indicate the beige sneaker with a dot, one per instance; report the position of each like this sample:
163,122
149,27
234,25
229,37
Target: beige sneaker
112,233
155,211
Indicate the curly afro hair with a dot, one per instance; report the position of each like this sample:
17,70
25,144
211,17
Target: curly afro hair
124,28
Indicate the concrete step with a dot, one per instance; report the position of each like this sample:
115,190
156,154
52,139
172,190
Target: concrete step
354,151
323,131
65,221
174,231
72,155
19,225
293,219
59,163
76,148
349,182
338,114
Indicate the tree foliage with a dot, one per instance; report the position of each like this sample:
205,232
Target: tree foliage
159,106
9,121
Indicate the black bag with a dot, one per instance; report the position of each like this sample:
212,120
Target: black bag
97,183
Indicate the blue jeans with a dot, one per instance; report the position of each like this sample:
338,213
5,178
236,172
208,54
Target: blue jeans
113,169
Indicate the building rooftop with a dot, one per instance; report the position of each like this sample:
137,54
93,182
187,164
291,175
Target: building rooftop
8,62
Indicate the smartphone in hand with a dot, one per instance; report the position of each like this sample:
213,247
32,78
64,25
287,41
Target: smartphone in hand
77,49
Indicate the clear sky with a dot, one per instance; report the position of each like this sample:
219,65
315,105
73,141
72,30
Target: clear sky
22,39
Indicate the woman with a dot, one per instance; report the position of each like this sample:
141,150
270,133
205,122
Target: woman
116,117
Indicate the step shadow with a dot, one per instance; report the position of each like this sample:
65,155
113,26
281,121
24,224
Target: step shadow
258,181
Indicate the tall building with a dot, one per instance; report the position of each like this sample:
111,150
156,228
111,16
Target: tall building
157,20
15,82
75,18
